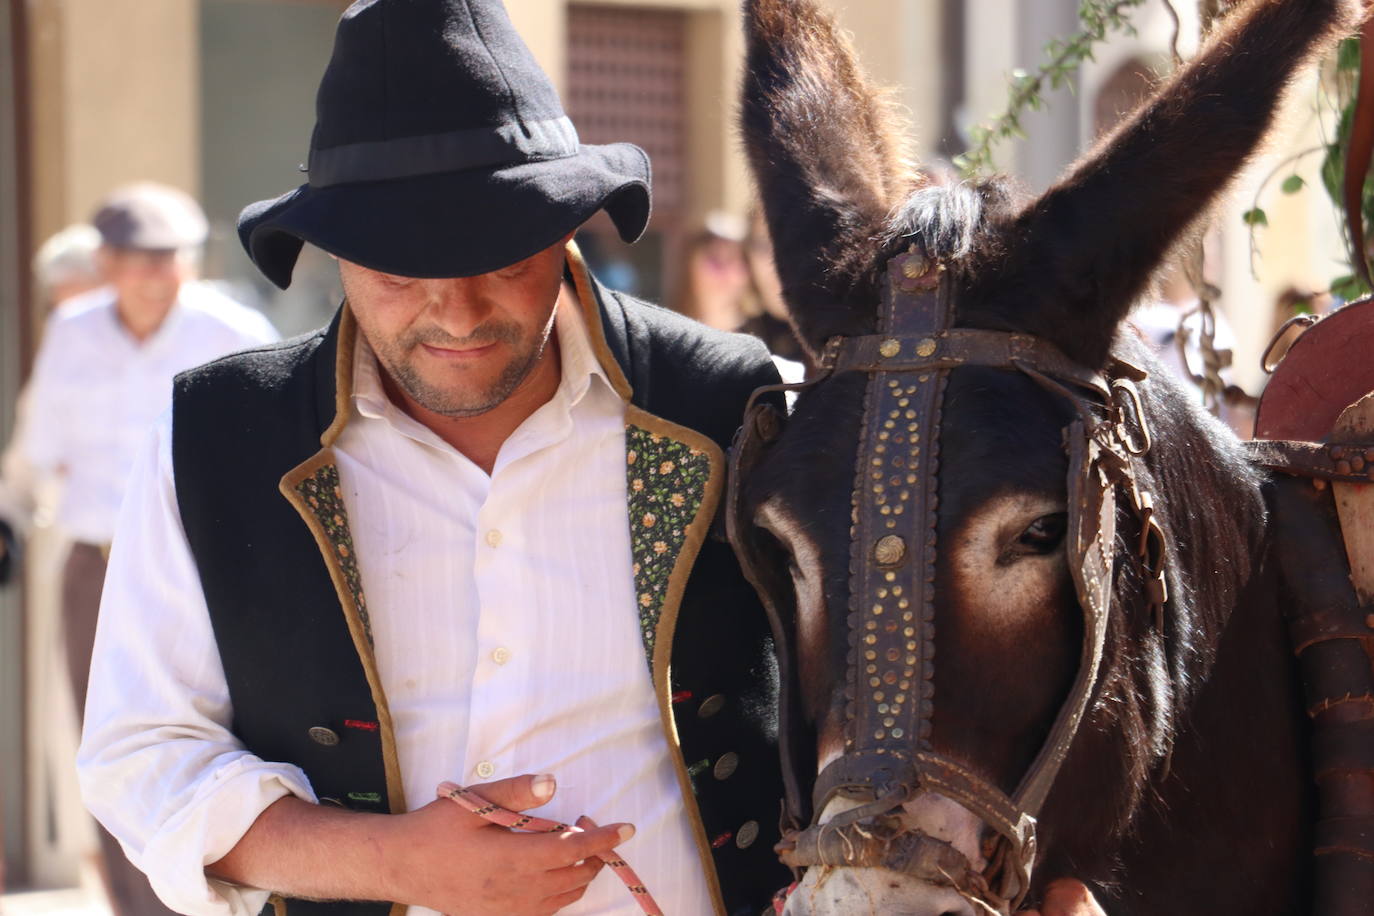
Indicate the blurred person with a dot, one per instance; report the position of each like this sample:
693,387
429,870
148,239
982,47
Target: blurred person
715,276
67,264
768,312
459,534
102,375
64,266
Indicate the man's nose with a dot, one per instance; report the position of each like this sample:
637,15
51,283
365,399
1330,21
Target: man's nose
458,304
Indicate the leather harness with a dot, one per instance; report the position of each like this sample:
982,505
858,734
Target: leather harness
888,758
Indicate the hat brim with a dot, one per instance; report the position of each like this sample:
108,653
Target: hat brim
452,224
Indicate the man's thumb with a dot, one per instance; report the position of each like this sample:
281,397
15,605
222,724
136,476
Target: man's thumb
519,793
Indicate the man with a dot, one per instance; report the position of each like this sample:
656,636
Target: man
101,377
464,533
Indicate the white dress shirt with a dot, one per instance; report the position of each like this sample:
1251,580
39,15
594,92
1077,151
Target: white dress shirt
96,391
506,634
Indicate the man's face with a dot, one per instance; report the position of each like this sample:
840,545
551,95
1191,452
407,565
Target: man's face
146,282
460,346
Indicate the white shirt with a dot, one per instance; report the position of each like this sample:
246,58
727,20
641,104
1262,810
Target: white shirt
96,391
506,635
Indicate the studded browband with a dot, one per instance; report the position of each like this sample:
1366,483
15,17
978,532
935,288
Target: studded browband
889,690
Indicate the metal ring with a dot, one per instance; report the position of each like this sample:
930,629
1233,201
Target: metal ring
1146,441
1305,320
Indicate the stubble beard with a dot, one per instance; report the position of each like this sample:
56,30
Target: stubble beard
459,401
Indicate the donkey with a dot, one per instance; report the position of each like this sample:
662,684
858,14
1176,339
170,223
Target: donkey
1185,786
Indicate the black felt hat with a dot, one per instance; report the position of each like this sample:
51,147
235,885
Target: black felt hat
441,150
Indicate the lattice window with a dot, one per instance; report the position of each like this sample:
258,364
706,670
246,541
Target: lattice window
626,82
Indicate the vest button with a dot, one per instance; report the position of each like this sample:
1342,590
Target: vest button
711,705
486,769
725,767
747,834
325,736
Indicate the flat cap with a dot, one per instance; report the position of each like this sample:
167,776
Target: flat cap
150,217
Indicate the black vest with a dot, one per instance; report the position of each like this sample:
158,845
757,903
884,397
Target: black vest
270,537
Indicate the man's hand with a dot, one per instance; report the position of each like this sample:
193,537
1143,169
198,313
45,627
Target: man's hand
439,856
1066,897
451,860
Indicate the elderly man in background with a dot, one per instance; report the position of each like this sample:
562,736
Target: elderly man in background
101,378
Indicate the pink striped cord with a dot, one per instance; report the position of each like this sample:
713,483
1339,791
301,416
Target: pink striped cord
506,818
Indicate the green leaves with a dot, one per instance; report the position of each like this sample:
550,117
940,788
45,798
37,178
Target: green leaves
1293,184
1349,288
1255,217
1065,56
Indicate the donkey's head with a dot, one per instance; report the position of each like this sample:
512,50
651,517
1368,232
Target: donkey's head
983,338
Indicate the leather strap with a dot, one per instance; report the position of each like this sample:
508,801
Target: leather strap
1323,461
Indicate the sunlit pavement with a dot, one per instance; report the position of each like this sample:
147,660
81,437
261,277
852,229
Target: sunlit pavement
69,902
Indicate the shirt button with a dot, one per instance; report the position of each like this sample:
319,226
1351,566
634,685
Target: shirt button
501,655
486,770
493,538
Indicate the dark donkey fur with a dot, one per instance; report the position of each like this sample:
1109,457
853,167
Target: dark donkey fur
1188,790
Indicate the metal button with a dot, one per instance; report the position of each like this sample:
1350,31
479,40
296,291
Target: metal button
711,705
485,770
747,834
325,736
725,767
493,538
501,655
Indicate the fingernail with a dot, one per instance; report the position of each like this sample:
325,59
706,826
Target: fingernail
543,787
587,823
624,832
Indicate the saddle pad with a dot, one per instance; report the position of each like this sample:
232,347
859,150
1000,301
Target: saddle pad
1330,367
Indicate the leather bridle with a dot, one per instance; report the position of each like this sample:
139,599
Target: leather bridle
888,758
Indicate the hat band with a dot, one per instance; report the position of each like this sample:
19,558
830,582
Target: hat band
459,150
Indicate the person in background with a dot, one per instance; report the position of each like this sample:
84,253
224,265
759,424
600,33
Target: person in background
65,266
102,376
715,276
767,311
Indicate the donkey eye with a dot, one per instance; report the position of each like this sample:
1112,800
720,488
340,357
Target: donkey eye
1043,536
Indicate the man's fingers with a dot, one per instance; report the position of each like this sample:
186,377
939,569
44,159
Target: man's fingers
554,904
569,848
1066,897
571,877
519,793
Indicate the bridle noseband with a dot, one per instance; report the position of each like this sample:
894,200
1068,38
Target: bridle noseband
889,690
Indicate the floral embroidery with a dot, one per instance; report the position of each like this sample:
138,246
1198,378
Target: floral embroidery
322,494
667,484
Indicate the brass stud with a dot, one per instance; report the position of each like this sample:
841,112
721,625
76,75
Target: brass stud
915,267
1357,463
926,348
897,733
890,348
890,551
1343,467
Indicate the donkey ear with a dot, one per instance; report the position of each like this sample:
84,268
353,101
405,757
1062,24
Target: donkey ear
825,152
1080,256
